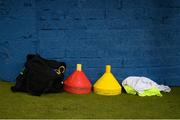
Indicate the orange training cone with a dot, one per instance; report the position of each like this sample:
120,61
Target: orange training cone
107,84
77,82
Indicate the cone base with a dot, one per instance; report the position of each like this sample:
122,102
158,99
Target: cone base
107,92
77,90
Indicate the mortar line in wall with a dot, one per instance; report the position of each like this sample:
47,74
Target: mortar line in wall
137,67
151,66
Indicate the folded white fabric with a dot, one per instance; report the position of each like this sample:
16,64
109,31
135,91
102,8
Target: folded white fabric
143,83
164,88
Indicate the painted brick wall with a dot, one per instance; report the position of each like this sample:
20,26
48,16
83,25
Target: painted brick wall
137,37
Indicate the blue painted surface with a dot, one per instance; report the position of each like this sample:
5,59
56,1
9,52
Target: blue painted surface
137,37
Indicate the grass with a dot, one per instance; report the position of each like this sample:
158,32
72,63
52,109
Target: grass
65,105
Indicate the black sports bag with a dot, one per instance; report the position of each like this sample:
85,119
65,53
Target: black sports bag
40,76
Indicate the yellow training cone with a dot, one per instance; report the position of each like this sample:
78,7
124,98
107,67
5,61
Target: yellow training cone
107,84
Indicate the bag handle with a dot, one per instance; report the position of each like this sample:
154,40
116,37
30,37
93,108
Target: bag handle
60,70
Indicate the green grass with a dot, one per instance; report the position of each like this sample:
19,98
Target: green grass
65,105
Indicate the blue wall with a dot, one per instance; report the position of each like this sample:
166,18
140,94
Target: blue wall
137,37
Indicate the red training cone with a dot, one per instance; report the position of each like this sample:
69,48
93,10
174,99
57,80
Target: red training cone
77,82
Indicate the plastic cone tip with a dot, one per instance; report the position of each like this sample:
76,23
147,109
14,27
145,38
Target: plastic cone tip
79,67
108,68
